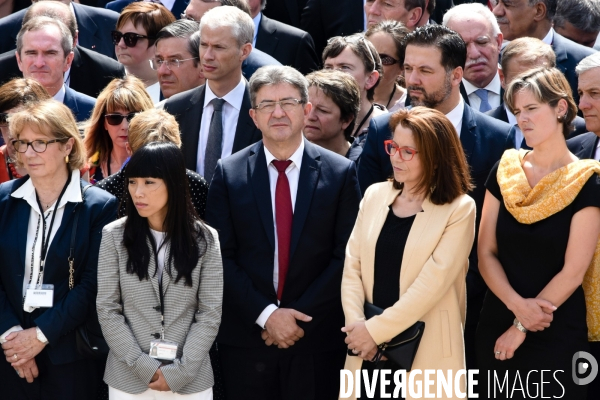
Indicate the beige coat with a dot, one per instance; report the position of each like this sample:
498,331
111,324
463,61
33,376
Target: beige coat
432,278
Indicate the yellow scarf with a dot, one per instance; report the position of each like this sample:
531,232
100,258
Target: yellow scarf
552,194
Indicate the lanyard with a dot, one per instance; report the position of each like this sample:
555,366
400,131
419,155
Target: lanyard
161,296
366,117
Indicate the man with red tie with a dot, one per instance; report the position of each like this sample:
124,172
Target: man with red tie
284,209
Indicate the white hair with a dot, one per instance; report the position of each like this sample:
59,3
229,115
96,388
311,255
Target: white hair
466,9
241,24
590,62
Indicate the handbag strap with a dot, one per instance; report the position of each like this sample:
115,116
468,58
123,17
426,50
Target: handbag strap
73,233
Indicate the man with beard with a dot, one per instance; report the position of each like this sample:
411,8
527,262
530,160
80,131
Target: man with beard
433,65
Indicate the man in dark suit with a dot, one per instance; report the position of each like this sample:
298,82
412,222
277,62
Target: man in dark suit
578,20
286,11
177,8
94,25
534,19
284,209
221,57
412,13
433,65
288,45
44,53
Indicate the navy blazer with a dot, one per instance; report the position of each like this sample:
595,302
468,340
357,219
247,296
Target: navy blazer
118,5
71,307
255,60
187,108
80,104
94,25
568,55
584,146
239,207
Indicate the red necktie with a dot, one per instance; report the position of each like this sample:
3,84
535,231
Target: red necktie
283,219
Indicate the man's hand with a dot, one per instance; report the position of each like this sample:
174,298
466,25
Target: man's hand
159,384
24,344
29,370
267,338
282,328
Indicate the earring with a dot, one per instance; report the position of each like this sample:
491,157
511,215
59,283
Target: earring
66,159
561,118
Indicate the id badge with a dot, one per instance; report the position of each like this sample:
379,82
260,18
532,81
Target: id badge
41,296
163,350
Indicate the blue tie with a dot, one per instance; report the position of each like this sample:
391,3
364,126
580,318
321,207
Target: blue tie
485,104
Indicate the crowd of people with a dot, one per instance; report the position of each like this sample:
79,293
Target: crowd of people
238,199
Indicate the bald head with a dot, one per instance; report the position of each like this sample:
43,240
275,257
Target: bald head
59,10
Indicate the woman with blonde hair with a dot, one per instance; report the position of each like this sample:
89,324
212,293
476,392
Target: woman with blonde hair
106,132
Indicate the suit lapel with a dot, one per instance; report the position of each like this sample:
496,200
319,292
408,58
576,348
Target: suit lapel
87,27
259,183
64,223
588,147
265,39
467,133
151,268
245,125
463,93
71,102
190,125
23,212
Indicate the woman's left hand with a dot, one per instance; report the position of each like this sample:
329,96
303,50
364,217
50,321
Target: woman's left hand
24,344
508,343
360,341
160,384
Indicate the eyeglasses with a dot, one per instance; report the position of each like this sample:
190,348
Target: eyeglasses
406,153
387,60
3,119
183,15
268,107
39,146
116,119
355,39
156,63
130,38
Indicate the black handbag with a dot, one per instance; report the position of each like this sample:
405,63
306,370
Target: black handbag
88,336
401,349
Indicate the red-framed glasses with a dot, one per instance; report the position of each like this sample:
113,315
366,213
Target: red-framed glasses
406,153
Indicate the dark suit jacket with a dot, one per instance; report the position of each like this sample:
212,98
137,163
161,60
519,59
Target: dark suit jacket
255,60
94,25
285,11
568,55
86,64
118,5
80,104
59,322
239,207
187,107
288,45
583,146
324,19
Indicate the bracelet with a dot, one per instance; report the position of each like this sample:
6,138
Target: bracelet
519,326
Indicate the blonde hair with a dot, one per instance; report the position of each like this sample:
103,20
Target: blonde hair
153,126
53,119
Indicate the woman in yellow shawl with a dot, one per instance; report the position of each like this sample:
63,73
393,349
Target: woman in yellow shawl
539,229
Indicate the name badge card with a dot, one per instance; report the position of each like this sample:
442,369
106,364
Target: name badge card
41,296
163,350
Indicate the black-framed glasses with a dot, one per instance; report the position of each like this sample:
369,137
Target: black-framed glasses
268,106
156,63
406,153
357,37
129,38
387,60
116,119
3,119
39,146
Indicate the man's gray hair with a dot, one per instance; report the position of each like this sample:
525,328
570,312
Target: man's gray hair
55,10
467,9
582,14
37,23
590,62
241,24
183,29
277,74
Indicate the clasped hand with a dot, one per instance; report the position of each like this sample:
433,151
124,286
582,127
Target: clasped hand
158,382
25,345
359,340
534,314
281,328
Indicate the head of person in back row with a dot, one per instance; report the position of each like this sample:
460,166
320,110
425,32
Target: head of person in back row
578,20
177,58
478,27
412,13
335,100
197,8
134,39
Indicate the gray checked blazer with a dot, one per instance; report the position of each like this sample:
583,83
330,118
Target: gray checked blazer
129,318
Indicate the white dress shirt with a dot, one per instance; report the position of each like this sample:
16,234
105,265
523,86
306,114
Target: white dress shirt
597,153
293,174
60,95
512,120
549,38
493,89
231,113
256,25
169,5
455,116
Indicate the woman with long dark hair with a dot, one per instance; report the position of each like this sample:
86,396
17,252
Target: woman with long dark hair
160,284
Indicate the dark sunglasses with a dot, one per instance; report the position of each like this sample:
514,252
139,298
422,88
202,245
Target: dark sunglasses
116,119
387,60
130,38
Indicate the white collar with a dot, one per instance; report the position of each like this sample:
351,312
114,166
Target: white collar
72,194
234,97
512,120
169,5
549,38
296,158
60,95
494,85
455,116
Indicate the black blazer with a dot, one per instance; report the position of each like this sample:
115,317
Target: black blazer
239,207
57,323
583,146
285,11
288,45
94,25
119,5
86,64
568,55
187,108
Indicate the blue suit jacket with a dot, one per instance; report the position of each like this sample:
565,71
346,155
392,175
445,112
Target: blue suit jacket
583,146
94,25
57,323
568,55
118,5
255,60
239,207
80,104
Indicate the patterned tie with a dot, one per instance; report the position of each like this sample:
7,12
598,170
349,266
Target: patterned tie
215,139
485,104
283,219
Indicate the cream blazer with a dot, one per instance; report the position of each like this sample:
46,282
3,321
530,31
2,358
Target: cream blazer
432,278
